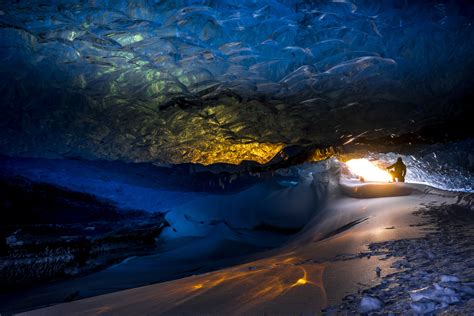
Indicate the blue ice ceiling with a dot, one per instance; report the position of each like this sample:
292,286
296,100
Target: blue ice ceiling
178,81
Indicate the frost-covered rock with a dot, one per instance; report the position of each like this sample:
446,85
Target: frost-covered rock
370,304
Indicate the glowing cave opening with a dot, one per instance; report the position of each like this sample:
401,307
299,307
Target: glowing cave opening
365,169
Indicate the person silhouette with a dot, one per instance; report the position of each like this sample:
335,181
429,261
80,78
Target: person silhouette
399,170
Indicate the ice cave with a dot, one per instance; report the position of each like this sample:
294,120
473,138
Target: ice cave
240,157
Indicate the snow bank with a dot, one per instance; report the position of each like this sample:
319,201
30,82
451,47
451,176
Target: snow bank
359,189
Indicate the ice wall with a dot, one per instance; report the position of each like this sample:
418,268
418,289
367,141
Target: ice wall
209,81
445,166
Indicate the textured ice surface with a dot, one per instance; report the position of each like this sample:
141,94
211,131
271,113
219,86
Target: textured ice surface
446,166
262,204
200,80
429,299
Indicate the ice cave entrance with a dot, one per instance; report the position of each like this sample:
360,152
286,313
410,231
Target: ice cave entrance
367,170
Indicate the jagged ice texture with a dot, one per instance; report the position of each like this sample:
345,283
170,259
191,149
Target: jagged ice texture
224,81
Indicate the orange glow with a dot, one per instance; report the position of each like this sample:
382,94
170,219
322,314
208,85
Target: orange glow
303,280
221,150
367,170
289,260
246,287
323,153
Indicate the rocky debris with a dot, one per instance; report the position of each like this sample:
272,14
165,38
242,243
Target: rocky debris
370,304
436,272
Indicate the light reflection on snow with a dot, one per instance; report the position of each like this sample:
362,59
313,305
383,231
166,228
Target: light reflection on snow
264,281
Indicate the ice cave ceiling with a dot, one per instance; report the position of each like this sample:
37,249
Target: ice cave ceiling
227,80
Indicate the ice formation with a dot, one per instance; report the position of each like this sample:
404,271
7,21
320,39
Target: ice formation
429,299
445,166
224,81
370,304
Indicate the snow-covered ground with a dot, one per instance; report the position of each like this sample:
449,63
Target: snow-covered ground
329,260
217,254
206,229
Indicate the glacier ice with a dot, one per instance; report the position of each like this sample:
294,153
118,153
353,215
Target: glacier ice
124,79
447,166
370,304
435,297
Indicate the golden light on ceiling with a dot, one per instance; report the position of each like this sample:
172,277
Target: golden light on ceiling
367,170
224,151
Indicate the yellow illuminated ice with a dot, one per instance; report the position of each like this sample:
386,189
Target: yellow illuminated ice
367,170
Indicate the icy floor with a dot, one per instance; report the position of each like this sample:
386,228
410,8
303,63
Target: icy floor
206,229
435,273
333,241
325,262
